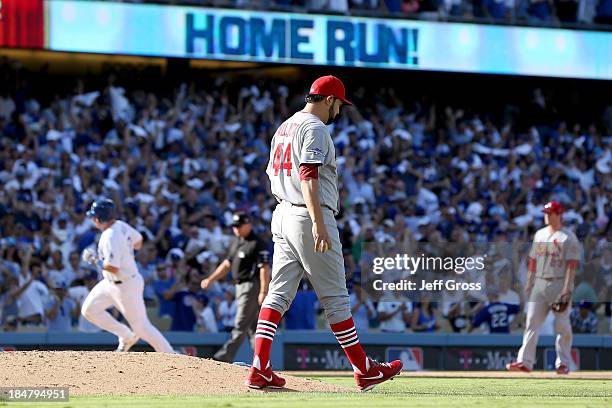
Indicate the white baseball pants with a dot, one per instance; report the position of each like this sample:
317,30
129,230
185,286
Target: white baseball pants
128,298
294,257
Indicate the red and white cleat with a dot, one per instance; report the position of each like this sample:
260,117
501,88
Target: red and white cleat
563,369
264,379
378,373
516,366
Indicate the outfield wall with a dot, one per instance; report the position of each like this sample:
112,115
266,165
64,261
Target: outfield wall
318,350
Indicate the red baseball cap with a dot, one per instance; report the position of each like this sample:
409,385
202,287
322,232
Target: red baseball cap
329,85
553,207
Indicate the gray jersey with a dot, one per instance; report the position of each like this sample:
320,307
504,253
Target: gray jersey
303,139
553,250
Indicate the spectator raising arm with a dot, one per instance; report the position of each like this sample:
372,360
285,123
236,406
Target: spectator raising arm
179,283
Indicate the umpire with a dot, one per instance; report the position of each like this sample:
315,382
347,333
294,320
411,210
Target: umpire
248,259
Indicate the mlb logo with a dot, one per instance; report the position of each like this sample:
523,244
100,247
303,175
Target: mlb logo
411,357
188,351
550,355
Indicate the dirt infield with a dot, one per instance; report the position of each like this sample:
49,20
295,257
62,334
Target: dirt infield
577,375
117,374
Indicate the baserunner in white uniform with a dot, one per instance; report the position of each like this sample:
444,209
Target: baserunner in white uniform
553,260
122,285
302,171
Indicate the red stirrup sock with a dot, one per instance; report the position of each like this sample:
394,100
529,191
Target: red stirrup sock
266,328
346,334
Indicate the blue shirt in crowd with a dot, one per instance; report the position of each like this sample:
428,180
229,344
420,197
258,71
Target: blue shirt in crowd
63,319
166,307
183,318
497,316
360,316
301,314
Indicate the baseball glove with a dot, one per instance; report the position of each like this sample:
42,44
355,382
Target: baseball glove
561,304
559,307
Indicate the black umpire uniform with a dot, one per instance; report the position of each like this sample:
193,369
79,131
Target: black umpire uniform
249,261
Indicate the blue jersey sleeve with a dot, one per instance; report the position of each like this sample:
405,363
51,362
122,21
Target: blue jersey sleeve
481,317
513,308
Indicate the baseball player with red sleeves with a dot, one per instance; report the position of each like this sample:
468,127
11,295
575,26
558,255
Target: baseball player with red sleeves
302,172
553,259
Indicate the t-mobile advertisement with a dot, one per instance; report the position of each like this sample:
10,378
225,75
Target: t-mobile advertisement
308,357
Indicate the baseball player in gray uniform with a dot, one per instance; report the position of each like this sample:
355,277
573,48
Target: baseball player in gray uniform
553,260
302,172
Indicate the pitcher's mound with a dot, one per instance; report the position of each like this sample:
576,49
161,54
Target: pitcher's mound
108,373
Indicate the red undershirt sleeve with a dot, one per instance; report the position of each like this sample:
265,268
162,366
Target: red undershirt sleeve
309,171
572,263
531,265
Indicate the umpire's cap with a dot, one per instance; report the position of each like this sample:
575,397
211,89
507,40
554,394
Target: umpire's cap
239,219
104,210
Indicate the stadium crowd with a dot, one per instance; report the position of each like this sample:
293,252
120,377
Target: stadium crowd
510,11
548,12
179,164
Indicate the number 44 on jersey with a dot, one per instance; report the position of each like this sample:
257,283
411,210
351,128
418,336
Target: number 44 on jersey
282,161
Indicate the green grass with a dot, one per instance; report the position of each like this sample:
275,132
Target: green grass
402,392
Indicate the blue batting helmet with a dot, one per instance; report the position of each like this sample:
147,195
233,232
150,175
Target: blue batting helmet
104,210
